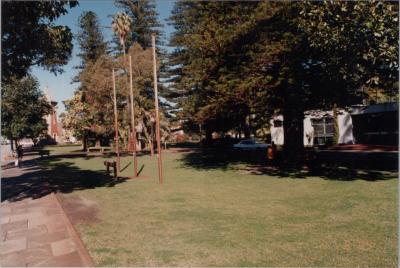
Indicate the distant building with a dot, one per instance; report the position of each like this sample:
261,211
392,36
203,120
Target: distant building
373,124
53,129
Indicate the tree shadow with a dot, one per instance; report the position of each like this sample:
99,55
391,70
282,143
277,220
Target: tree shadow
220,159
255,163
327,172
35,181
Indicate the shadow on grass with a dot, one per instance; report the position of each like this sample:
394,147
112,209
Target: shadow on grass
216,159
256,164
35,181
125,167
141,169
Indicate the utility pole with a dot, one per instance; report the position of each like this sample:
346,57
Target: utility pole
133,119
160,175
116,122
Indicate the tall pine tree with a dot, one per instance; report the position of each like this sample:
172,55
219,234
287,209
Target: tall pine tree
90,39
80,110
144,22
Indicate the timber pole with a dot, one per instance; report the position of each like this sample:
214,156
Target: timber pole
116,122
135,164
127,100
160,174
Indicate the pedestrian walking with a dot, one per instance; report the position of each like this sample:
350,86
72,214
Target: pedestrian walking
20,154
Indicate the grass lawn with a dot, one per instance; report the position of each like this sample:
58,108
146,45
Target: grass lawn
61,149
218,216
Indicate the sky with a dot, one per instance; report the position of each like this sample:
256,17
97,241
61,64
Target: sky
59,86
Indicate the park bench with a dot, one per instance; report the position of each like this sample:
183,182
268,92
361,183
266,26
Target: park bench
113,164
95,149
43,153
98,149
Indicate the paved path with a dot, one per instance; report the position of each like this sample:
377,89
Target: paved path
36,231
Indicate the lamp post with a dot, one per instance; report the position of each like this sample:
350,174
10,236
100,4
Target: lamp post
160,175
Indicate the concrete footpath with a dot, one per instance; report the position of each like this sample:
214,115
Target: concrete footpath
37,232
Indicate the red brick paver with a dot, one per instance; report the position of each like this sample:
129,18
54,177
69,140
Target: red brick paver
37,232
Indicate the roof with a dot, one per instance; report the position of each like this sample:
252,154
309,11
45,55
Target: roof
376,108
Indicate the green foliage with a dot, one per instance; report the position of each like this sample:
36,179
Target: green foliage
30,37
240,60
76,117
358,41
91,112
90,38
142,70
96,79
121,25
144,21
23,108
81,115
210,93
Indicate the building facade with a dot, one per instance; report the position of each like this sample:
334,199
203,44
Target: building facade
53,128
373,124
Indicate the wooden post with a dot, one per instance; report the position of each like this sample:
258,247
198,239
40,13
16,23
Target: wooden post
116,122
115,170
160,175
133,119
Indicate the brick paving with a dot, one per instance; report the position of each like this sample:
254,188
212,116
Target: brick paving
37,232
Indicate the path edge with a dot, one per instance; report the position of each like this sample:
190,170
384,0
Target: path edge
82,251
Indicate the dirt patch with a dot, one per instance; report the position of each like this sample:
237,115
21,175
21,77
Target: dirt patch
79,209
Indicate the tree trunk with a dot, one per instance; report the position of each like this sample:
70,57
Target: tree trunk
208,140
293,129
335,125
246,133
12,144
84,143
97,144
151,148
125,138
246,129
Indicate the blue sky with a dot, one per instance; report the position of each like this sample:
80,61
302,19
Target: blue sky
60,87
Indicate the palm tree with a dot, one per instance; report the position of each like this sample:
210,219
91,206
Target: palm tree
121,25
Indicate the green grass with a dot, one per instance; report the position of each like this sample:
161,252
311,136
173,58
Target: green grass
220,217
61,149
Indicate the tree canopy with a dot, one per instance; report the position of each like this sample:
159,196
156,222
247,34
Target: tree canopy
144,21
23,108
238,62
90,38
30,37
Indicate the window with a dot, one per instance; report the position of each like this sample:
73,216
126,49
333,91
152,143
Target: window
323,130
278,123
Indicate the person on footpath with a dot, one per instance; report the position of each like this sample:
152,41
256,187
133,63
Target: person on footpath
20,154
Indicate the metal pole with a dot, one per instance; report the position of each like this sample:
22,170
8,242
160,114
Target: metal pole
160,175
133,119
116,122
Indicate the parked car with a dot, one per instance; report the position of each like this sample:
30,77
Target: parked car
26,143
249,145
